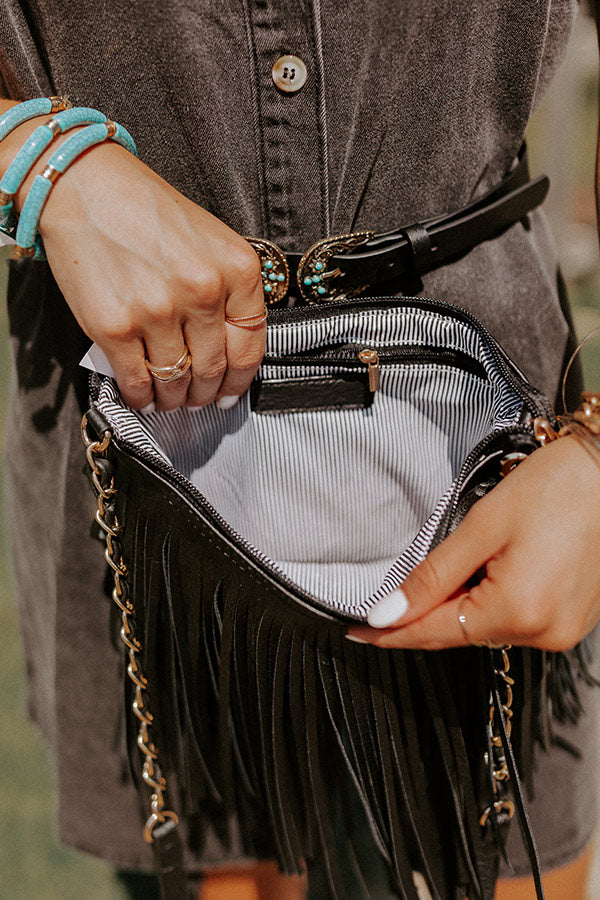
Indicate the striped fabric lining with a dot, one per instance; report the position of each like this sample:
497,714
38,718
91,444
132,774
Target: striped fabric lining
344,503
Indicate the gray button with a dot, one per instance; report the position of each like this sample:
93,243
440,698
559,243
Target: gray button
289,74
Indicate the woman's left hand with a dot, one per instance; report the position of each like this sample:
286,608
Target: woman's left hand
535,538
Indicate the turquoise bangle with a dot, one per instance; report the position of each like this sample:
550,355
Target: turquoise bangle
58,163
29,109
10,120
31,151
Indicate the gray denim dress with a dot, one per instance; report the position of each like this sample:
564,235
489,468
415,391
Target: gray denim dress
410,108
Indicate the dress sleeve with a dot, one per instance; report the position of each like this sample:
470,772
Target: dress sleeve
23,73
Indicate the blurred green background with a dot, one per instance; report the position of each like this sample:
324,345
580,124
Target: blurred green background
32,864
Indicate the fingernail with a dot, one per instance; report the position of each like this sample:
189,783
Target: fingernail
356,640
151,407
388,610
228,401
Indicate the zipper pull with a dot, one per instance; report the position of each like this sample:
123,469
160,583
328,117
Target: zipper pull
371,359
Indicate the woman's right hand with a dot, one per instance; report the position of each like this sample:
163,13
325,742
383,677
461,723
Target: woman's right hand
147,272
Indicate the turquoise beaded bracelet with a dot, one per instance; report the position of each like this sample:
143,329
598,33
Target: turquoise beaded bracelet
11,119
31,151
59,162
29,109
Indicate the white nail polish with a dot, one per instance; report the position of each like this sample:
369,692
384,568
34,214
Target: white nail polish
228,401
389,610
354,639
150,407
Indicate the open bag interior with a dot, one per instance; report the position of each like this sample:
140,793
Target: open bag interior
343,502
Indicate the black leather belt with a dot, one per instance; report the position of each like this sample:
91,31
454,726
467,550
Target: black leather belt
345,265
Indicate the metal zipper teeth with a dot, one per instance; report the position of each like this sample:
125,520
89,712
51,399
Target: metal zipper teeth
476,453
346,356
307,599
196,499
533,399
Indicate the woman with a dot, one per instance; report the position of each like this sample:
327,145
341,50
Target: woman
388,112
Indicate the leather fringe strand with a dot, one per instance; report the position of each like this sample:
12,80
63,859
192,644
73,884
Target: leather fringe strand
321,747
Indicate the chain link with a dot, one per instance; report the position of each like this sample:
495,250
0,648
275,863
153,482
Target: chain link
106,493
500,773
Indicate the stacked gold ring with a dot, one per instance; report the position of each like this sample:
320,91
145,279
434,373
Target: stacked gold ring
165,374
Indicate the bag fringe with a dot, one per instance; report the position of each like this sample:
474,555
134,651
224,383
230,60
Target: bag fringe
264,710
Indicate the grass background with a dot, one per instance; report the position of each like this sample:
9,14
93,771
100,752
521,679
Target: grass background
32,864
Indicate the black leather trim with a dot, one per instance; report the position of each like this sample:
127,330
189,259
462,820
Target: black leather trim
420,247
315,393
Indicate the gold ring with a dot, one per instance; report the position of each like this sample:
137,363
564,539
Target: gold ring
170,373
462,621
248,321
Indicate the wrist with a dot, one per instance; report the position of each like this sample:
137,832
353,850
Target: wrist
30,173
102,172
32,159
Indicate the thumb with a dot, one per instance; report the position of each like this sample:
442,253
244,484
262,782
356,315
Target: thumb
445,571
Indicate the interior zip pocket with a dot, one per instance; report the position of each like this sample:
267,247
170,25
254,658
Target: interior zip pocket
341,377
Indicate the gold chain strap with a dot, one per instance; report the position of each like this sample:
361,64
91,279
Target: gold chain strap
500,773
106,492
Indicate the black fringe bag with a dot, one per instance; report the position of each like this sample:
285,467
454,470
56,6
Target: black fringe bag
244,542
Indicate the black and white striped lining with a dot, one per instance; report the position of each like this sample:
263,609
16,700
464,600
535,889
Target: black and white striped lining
344,503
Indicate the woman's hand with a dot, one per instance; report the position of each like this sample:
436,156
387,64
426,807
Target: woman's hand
537,537
147,272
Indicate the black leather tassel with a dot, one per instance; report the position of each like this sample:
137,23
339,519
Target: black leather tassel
331,754
562,688
409,776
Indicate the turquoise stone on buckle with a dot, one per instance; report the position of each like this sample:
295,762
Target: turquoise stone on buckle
275,271
317,282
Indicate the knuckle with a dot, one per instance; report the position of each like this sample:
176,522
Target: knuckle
425,579
204,290
159,309
210,370
136,385
210,287
531,620
248,361
246,267
119,329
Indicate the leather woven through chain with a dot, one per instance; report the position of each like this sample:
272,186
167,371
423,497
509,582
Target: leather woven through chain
106,493
502,807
